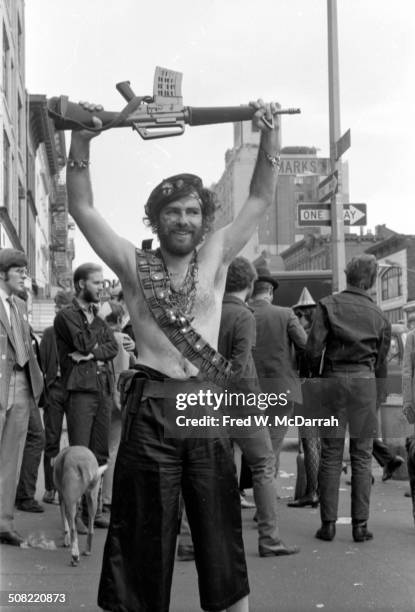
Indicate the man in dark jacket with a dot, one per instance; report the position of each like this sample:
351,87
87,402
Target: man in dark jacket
348,343
86,347
236,339
279,337
54,408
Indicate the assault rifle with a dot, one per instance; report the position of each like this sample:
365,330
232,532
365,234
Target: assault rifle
157,116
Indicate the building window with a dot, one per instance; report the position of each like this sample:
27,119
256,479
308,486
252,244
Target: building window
391,283
396,315
6,171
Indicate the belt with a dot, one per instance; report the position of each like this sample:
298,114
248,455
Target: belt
338,366
170,388
19,368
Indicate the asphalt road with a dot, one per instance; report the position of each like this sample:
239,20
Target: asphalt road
332,576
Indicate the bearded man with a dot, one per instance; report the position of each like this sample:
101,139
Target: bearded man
174,297
86,347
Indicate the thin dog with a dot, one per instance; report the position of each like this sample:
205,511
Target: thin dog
76,473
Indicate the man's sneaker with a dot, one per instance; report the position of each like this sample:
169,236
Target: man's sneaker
49,497
29,505
102,521
279,549
185,552
245,503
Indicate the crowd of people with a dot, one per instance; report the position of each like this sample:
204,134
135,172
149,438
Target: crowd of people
191,315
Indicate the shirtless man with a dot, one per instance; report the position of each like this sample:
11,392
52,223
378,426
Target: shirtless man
186,286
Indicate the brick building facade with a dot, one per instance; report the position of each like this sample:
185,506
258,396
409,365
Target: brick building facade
315,252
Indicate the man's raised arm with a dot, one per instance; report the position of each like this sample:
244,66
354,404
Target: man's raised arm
108,245
263,182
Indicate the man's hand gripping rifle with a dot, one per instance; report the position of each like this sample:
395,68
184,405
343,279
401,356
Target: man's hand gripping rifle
157,116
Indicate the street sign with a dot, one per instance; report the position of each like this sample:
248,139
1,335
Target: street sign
315,214
342,144
328,187
355,214
304,165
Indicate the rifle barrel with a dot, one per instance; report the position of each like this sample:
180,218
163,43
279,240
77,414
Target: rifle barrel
226,114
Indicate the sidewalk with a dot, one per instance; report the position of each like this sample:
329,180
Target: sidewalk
333,576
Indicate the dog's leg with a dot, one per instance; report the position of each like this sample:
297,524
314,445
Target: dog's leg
65,525
92,501
70,510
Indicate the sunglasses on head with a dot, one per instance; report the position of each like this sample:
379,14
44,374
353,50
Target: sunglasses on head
189,180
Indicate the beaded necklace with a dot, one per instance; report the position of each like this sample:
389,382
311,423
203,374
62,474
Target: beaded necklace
181,299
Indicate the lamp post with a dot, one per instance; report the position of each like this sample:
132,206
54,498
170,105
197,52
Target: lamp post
337,222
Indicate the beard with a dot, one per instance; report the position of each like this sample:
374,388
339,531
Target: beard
177,244
89,297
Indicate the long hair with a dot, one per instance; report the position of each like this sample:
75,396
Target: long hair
172,189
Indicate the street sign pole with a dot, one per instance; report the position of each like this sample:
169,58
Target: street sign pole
337,228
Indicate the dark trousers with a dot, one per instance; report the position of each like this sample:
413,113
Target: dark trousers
53,414
35,443
88,417
150,472
351,398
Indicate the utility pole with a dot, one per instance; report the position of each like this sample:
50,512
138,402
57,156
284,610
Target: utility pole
337,223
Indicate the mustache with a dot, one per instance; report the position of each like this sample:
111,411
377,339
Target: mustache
188,230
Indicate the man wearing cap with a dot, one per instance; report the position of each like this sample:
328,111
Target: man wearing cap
279,337
21,384
174,297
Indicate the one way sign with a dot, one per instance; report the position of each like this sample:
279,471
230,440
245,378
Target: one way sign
317,214
355,214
